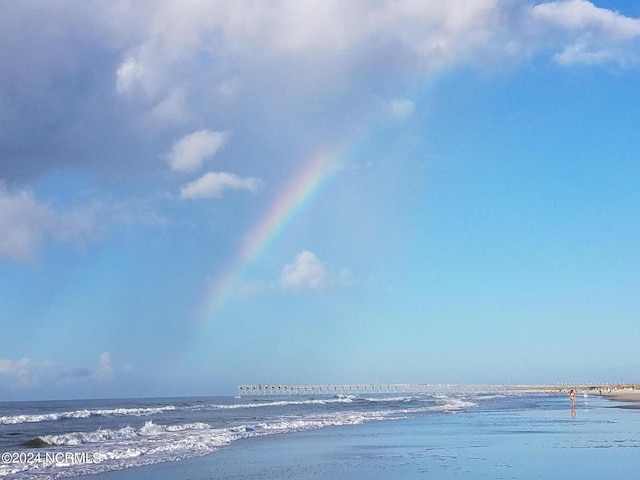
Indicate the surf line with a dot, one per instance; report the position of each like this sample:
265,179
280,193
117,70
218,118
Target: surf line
301,189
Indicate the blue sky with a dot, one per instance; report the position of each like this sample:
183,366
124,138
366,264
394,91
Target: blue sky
476,219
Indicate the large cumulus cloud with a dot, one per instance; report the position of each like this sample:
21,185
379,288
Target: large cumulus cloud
109,87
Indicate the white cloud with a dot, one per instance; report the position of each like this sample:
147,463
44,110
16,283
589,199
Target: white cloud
402,108
247,44
20,371
345,279
305,51
225,29
585,53
305,273
171,110
580,15
192,150
28,373
104,371
26,223
128,74
214,184
592,35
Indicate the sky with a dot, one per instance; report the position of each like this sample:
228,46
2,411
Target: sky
200,194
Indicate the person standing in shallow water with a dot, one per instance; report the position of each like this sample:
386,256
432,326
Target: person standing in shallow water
572,397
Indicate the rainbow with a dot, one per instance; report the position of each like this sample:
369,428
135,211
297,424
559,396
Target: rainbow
298,193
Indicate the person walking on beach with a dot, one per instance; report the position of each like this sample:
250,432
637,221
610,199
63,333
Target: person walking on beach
572,397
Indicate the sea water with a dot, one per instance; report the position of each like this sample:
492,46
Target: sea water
348,436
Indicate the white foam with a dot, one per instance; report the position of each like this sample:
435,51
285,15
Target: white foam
393,399
113,449
84,413
283,403
313,401
152,442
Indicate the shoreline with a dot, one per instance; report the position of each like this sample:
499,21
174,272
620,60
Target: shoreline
631,398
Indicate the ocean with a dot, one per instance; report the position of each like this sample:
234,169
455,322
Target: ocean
517,436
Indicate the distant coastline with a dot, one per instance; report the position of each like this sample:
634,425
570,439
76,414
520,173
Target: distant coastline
606,389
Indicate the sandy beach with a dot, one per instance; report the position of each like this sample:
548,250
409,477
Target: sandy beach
630,396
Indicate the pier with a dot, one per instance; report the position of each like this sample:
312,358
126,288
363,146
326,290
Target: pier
425,388
374,388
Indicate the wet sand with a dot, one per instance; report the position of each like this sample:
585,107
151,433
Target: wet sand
630,397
